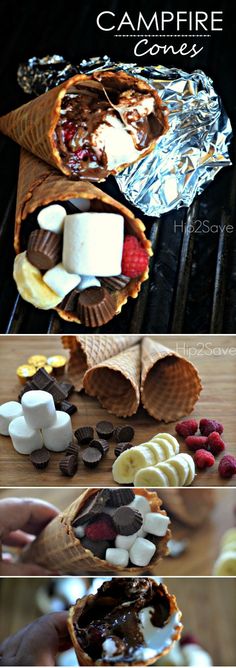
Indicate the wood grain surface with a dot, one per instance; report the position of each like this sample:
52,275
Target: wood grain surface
208,606
203,542
215,358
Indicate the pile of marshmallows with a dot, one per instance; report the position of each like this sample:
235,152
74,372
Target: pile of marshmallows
35,422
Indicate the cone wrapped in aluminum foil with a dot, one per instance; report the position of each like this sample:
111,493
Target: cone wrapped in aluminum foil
185,159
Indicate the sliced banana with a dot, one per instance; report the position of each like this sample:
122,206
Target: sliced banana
170,472
157,451
229,538
151,476
167,447
31,286
226,563
191,465
171,439
182,468
130,461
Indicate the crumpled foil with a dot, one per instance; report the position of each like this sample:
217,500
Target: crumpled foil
184,160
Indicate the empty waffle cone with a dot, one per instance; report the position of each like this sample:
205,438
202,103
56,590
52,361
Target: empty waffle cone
189,506
33,125
57,547
115,382
170,384
86,605
40,185
86,350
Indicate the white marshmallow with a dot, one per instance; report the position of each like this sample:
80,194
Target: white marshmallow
58,436
117,556
195,656
116,141
156,523
24,438
38,408
81,203
125,542
140,503
93,243
60,280
79,532
142,552
9,411
52,218
89,282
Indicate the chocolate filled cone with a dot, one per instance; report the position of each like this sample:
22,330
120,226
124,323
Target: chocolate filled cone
88,602
40,185
33,124
57,547
115,382
188,506
170,384
86,350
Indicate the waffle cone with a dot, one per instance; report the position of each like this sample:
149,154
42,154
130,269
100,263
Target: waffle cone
33,124
86,350
191,508
57,547
115,382
170,384
40,185
76,611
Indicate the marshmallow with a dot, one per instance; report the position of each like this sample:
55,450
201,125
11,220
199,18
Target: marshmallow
89,282
25,439
117,556
79,532
52,218
9,411
195,655
140,503
113,138
156,523
93,243
60,280
38,408
58,436
81,203
142,552
125,542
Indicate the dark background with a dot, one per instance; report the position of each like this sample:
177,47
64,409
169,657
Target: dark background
173,301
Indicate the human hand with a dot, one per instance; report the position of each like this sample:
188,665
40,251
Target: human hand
38,643
20,521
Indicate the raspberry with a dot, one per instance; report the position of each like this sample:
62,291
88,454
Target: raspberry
69,129
186,428
227,466
134,258
188,639
214,443
101,529
196,442
203,459
206,426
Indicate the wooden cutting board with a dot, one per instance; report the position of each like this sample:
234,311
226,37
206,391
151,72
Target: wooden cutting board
215,358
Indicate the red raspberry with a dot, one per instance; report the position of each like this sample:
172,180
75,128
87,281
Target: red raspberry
101,529
188,639
206,426
227,466
134,258
215,444
203,459
186,428
69,129
196,442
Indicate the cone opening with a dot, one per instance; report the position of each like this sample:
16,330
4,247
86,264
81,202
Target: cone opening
168,396
98,383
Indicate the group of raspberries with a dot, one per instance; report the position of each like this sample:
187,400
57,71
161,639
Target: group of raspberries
207,445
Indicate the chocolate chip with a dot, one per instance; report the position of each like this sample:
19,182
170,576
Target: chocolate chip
68,465
67,407
84,435
121,447
98,548
100,444
40,458
124,433
105,429
127,520
91,457
120,497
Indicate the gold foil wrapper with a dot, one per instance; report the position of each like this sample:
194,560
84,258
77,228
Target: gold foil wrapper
24,372
58,363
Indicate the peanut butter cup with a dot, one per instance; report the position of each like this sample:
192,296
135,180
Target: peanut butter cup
44,249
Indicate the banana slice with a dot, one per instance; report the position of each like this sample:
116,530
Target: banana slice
157,451
170,472
151,476
171,439
229,538
191,465
226,563
31,286
182,468
130,461
167,447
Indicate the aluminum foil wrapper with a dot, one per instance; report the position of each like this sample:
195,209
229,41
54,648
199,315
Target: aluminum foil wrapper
184,160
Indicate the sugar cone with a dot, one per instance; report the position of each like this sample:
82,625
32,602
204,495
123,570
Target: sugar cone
115,382
170,384
40,185
188,506
57,547
87,603
86,350
33,124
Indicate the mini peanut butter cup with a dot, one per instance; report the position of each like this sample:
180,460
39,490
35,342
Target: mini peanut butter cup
95,307
40,458
68,465
121,447
120,497
127,520
115,282
105,429
44,249
124,433
101,444
84,435
98,548
91,457
70,301
73,449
